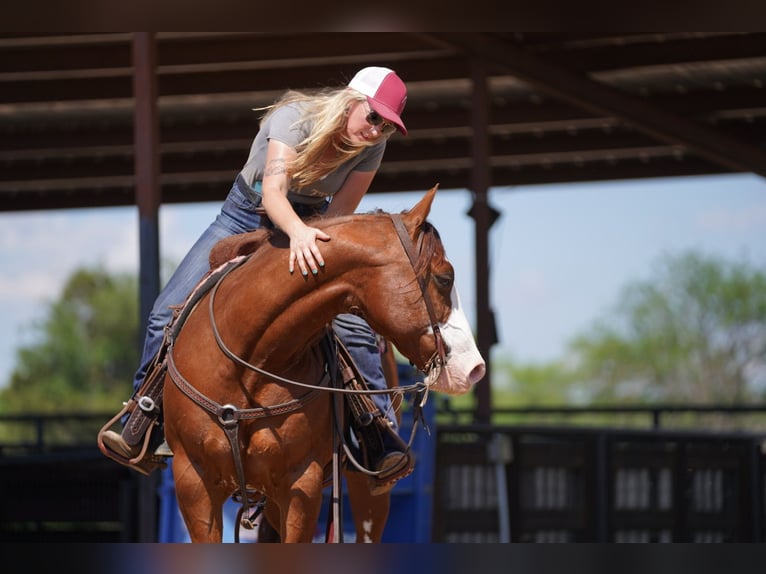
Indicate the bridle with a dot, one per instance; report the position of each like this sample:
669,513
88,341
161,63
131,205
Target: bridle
439,358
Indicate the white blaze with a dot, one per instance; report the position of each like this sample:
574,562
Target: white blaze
465,365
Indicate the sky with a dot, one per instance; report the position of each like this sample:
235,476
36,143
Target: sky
559,254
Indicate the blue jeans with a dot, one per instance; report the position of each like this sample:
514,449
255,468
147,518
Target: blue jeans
238,216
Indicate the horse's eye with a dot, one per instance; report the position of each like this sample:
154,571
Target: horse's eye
444,280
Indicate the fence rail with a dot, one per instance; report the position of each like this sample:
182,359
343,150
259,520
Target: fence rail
40,433
651,416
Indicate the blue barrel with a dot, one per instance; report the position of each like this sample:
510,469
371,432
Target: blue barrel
409,519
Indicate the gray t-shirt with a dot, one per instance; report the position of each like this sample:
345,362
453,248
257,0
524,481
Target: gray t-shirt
288,126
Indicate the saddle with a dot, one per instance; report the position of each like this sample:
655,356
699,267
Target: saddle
234,246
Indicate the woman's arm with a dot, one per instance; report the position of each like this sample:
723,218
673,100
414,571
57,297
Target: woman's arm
347,199
274,187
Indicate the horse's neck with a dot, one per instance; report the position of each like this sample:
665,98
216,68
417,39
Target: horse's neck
279,315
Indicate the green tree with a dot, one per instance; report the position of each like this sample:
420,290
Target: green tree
85,352
695,332
532,385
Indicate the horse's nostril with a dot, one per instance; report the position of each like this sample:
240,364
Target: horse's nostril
477,373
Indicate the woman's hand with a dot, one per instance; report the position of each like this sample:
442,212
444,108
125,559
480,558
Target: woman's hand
304,250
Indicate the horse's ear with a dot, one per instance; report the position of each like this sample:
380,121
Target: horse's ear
415,217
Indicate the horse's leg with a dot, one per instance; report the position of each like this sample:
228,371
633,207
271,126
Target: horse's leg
202,514
268,527
370,512
299,517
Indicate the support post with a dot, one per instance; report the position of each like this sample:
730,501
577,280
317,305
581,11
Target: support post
148,199
484,216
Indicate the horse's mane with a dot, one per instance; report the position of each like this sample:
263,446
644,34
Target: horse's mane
428,242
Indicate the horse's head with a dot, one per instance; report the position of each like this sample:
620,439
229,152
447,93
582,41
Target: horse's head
417,305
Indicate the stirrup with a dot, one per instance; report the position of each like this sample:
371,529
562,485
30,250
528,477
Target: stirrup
113,445
391,468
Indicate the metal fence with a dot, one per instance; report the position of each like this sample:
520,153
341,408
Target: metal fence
526,483
497,482
56,486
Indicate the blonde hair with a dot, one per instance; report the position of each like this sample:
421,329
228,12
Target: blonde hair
328,110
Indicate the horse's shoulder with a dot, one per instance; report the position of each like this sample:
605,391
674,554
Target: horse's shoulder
235,245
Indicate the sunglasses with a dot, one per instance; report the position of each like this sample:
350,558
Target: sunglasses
376,120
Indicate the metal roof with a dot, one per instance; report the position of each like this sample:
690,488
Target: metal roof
559,108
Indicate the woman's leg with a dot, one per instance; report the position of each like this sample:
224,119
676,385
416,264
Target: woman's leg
394,462
237,216
358,337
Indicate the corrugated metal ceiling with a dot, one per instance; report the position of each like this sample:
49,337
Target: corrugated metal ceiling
561,108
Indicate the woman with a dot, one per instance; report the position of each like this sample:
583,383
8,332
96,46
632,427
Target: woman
314,153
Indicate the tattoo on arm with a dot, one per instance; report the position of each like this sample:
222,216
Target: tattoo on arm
275,167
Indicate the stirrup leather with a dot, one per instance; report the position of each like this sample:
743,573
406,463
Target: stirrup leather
369,426
144,410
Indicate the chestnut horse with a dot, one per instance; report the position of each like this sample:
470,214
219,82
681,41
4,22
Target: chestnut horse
271,323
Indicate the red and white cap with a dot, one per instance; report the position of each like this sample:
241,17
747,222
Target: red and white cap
385,92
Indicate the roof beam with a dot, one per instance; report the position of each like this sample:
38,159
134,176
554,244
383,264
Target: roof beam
588,94
120,191
599,56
